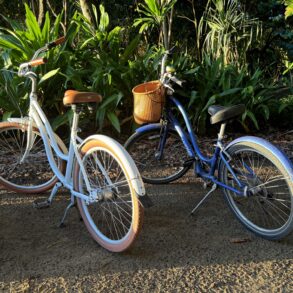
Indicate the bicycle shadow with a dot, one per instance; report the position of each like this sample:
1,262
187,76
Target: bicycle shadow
32,247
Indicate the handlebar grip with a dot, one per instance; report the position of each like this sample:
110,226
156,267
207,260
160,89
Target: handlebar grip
59,41
56,42
37,62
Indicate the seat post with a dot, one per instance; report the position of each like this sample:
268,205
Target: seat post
222,132
74,126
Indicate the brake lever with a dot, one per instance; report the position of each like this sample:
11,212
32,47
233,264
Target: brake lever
169,88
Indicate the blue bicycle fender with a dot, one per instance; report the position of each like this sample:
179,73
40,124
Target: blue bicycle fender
285,161
148,127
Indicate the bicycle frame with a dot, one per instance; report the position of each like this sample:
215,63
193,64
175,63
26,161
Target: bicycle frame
190,143
38,118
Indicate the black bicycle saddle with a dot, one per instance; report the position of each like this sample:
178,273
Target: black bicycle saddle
221,114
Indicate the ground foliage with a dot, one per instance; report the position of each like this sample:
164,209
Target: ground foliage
228,52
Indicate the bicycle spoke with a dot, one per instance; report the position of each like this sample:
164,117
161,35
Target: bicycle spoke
268,208
105,175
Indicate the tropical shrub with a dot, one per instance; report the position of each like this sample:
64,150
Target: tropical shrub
19,44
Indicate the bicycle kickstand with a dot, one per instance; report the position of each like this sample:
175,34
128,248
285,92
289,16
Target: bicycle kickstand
41,204
214,187
71,204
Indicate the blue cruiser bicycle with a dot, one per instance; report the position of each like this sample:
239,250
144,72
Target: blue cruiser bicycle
255,176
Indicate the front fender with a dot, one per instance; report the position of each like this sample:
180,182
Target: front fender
285,161
125,160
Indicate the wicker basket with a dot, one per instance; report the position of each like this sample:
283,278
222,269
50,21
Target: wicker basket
149,99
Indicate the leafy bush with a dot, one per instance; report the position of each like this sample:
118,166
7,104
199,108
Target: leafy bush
19,44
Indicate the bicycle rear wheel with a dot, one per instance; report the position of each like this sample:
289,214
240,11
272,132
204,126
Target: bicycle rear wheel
268,208
143,148
34,174
116,220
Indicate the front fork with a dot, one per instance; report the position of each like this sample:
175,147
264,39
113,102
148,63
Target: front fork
163,138
97,193
29,140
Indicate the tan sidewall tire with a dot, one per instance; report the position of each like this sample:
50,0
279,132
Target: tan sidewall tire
138,211
5,183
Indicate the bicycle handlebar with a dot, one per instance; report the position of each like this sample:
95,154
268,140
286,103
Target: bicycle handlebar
37,62
48,46
24,67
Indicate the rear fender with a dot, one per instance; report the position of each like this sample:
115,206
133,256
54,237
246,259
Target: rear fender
285,161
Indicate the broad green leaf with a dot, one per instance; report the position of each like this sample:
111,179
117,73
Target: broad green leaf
253,119
6,116
32,24
282,107
289,10
62,119
230,92
46,28
100,116
266,111
49,75
210,102
130,48
193,97
104,19
114,98
114,120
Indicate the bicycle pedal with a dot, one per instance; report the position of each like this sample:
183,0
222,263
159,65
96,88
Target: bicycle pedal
37,204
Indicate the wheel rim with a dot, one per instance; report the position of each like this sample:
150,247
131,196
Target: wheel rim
146,157
267,208
34,172
112,218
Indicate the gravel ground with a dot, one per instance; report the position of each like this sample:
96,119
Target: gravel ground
209,252
174,252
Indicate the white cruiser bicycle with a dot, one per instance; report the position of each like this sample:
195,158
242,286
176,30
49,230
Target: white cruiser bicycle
99,173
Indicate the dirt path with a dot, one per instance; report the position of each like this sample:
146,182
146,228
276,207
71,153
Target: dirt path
174,253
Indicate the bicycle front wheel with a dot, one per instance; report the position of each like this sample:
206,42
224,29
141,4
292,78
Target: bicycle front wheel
116,220
154,168
34,174
267,210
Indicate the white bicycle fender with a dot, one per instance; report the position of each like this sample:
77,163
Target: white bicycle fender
125,159
25,121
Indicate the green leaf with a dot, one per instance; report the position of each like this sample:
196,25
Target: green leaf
62,119
230,92
253,119
114,120
210,102
6,116
49,75
114,98
266,111
32,24
46,28
104,19
289,8
194,96
130,48
282,107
